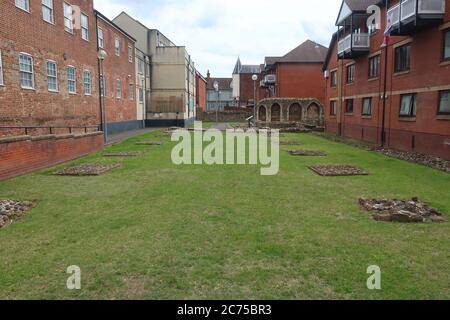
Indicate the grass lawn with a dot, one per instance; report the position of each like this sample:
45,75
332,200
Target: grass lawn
153,230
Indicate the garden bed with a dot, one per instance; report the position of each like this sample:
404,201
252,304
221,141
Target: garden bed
11,210
149,143
307,153
88,169
338,170
412,211
124,154
426,160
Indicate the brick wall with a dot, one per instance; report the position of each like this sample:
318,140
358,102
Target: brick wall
246,90
24,154
223,116
118,109
200,98
21,31
300,80
428,132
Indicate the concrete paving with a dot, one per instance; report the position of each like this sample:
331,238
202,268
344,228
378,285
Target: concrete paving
121,136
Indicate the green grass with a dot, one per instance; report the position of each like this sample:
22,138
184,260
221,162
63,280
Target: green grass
152,230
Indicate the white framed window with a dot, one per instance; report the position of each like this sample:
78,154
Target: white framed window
26,71
102,86
23,4
84,27
141,95
47,11
130,54
52,75
71,79
118,89
131,91
1,69
117,46
140,66
68,22
100,37
87,83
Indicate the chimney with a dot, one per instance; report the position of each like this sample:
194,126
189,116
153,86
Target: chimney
208,75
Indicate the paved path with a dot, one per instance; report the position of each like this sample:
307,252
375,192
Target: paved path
222,126
121,136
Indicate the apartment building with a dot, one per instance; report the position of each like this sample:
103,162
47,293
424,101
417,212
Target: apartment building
48,66
172,75
117,77
394,93
298,74
221,98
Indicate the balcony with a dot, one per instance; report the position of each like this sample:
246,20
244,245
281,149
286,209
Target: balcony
354,45
270,79
410,16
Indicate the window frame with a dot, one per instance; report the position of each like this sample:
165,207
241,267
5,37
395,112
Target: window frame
400,67
2,80
117,48
365,114
29,72
443,113
412,106
71,30
84,83
84,28
444,35
130,54
51,10
102,84
333,108
378,64
74,79
348,79
347,104
333,79
118,89
100,31
52,76
131,87
27,2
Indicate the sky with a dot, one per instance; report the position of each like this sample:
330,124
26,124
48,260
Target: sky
216,32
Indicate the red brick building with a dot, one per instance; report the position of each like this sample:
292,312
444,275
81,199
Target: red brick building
200,93
298,74
243,84
48,73
119,76
396,95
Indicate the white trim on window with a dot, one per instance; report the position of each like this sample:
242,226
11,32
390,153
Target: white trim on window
117,46
68,19
130,54
48,14
100,38
131,91
52,75
23,5
71,79
87,83
1,70
26,71
84,22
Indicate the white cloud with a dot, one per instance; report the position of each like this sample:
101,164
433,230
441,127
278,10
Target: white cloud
216,32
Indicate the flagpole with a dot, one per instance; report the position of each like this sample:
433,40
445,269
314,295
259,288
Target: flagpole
383,121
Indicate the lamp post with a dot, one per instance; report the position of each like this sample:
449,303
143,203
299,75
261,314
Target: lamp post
216,87
101,55
254,78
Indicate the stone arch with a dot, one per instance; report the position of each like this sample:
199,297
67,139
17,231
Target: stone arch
313,114
275,112
295,112
262,114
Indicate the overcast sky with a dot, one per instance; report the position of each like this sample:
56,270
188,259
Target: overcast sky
217,32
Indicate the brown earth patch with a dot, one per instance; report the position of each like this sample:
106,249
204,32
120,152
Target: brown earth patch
88,169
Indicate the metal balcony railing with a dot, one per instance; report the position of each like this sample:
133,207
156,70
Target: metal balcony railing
408,8
354,41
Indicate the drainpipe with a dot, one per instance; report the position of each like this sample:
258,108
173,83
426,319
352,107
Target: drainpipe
383,119
99,80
